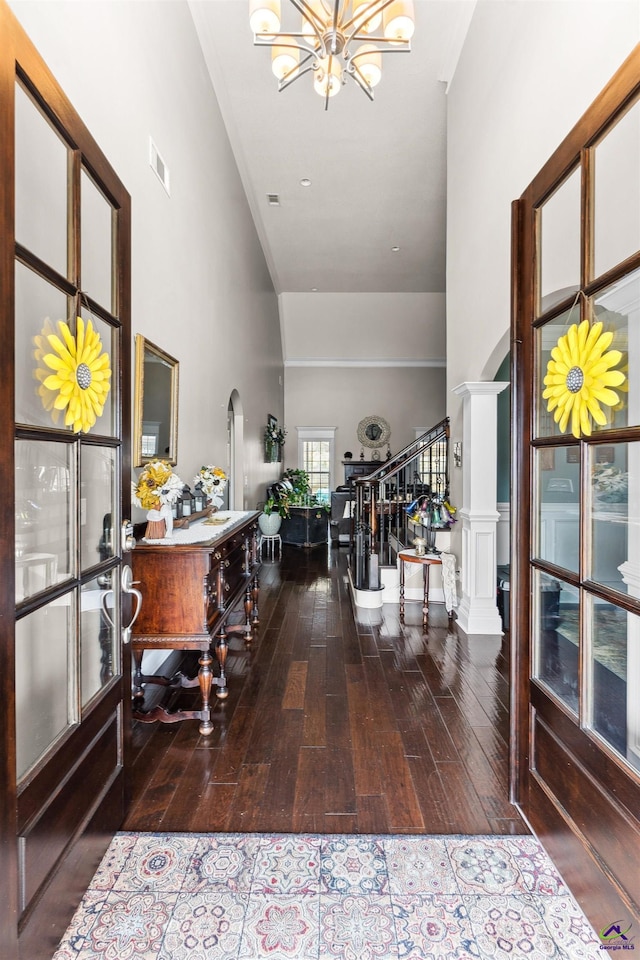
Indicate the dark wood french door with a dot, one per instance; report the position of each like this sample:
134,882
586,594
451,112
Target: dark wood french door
576,546
64,465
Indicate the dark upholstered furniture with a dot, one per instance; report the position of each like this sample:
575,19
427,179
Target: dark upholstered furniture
339,524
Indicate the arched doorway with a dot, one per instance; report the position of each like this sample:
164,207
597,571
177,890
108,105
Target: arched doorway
235,451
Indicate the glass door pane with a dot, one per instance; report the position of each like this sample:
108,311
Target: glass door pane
613,672
556,637
614,518
559,244
617,193
98,510
41,185
99,651
97,243
39,307
45,679
45,518
558,481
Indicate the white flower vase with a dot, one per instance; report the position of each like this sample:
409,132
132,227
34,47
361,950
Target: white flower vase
167,516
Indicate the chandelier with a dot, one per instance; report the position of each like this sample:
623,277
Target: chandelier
337,39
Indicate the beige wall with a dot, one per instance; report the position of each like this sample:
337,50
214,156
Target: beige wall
201,289
357,326
407,398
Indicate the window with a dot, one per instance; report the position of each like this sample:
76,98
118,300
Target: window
315,455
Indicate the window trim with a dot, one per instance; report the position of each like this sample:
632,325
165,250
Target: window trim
319,433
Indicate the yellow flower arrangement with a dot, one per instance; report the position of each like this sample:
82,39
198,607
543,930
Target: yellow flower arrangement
157,485
80,381
579,378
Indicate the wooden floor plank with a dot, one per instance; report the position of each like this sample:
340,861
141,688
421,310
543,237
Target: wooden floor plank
404,811
336,724
295,689
309,799
314,732
372,815
233,750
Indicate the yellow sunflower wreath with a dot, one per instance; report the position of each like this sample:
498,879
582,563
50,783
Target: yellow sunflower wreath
579,377
80,381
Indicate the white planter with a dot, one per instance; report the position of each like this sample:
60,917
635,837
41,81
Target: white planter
269,523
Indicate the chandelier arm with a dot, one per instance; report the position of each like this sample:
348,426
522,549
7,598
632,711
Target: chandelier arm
335,21
401,45
287,80
312,19
356,56
393,47
354,73
276,41
359,20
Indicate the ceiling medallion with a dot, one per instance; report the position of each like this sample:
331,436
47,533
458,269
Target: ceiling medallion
326,40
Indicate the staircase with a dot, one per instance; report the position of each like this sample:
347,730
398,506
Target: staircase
382,526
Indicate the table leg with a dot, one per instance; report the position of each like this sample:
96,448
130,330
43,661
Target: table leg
138,692
401,590
221,655
205,677
255,592
425,596
248,609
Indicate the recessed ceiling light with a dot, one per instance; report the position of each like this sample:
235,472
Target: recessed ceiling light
314,289
394,249
305,182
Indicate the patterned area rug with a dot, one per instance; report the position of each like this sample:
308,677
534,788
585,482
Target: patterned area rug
224,896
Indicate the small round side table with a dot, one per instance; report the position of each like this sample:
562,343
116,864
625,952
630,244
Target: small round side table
427,561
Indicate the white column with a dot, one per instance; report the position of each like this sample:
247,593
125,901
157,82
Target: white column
478,611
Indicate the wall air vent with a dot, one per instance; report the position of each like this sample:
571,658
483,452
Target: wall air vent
273,199
158,166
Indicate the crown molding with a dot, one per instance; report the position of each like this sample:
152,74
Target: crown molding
342,362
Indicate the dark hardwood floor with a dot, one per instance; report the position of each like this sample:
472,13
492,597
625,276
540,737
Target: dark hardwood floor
337,726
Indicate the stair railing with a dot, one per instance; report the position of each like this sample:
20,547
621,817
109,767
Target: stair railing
380,521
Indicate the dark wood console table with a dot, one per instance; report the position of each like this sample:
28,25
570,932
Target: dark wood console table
189,587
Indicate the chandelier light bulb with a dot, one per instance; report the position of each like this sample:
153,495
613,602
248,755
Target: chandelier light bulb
399,21
284,62
368,61
264,16
328,79
361,7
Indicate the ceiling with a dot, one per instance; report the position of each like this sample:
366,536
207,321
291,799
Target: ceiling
377,169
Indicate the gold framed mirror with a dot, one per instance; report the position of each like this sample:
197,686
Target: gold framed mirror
155,425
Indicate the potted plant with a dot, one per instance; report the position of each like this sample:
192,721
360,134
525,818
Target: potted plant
272,513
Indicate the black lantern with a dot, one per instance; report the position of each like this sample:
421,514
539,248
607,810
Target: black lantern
187,501
199,498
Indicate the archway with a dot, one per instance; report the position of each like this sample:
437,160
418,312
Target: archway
235,451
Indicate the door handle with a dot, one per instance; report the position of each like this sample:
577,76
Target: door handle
126,585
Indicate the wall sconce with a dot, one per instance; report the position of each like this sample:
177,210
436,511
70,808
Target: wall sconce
457,453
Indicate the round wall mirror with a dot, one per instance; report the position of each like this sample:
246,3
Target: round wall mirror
373,432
